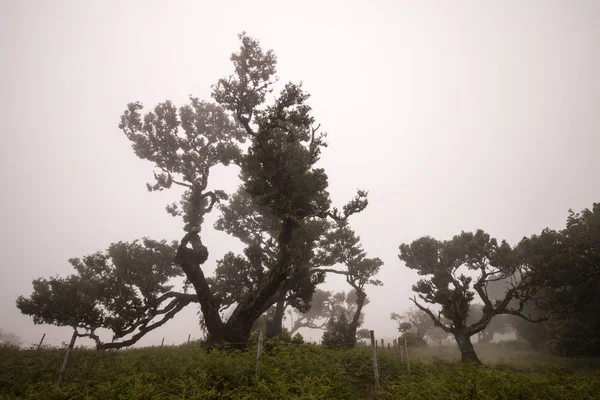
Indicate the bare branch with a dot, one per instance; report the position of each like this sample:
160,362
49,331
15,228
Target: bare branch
333,271
436,320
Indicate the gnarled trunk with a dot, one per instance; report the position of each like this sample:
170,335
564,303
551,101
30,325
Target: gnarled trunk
190,261
275,326
239,325
360,302
467,352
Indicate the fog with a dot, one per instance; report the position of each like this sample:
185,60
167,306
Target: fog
453,115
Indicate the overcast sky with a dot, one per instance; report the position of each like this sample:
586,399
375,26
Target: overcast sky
453,115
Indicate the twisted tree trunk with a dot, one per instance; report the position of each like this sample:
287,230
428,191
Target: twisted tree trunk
360,302
468,355
275,326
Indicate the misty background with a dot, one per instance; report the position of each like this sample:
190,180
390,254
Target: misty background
453,115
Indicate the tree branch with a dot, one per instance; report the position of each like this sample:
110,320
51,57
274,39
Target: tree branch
436,320
144,330
213,200
333,271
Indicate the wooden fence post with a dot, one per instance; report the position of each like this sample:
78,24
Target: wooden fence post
162,343
189,336
61,373
259,354
41,341
374,353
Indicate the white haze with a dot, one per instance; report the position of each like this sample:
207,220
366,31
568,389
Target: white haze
453,115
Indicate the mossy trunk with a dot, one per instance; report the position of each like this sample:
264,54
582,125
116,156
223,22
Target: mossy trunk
467,352
275,326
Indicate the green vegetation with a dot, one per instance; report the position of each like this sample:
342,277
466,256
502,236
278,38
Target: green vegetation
292,371
282,211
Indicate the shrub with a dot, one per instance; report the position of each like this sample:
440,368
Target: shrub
412,340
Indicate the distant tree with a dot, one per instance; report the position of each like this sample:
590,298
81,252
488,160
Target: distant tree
447,287
418,321
363,334
498,324
360,270
338,332
322,307
9,338
404,327
438,335
327,305
421,325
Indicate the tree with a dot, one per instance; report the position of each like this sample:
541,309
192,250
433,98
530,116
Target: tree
255,227
423,327
418,321
438,335
124,289
570,259
360,270
9,338
319,243
338,332
322,307
326,305
451,289
277,172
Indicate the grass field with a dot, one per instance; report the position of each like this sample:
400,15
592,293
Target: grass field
293,372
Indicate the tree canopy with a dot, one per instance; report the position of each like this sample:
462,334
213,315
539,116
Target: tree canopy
282,212
446,264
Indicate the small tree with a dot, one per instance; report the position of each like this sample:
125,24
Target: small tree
322,307
360,269
448,287
338,332
419,321
125,289
9,338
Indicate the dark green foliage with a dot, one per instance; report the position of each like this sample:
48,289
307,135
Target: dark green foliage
297,339
338,332
289,372
444,264
184,144
283,201
122,289
412,339
570,258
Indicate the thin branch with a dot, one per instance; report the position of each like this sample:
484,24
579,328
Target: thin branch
333,271
436,320
187,185
527,318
